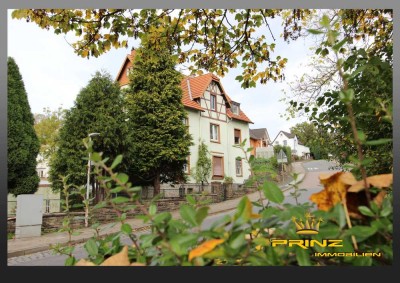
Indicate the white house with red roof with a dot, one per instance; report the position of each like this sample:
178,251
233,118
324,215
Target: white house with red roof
215,119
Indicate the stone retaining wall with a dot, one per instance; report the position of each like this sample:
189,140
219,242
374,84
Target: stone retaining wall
52,222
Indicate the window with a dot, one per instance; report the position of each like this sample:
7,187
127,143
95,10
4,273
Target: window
277,142
214,132
185,121
213,102
238,167
237,138
285,142
186,166
235,109
218,167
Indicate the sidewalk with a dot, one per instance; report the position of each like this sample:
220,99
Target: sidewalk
24,246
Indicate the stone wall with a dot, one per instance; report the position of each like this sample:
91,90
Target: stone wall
52,222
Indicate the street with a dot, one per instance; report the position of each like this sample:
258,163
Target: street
310,182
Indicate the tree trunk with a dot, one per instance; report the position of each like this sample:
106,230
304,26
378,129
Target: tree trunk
156,184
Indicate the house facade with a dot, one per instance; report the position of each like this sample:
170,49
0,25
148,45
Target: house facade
261,143
213,118
51,200
287,139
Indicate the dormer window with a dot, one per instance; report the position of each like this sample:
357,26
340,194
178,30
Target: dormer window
235,108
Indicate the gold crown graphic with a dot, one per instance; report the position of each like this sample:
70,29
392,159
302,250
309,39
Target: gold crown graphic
310,227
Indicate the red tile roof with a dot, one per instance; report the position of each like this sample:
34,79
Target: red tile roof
241,116
198,86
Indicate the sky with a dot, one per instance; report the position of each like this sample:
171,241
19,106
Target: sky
53,74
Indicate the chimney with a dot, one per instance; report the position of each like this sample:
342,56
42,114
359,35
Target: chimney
190,92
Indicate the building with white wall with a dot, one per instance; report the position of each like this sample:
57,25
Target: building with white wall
215,119
287,139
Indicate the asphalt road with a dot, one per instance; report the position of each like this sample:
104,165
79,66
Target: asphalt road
310,183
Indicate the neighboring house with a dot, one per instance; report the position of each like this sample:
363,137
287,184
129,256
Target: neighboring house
261,143
287,139
215,119
51,200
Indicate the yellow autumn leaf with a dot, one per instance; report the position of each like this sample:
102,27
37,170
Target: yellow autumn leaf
85,53
335,189
137,264
84,262
204,248
378,181
119,259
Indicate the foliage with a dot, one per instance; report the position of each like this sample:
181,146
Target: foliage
228,180
160,141
22,142
97,109
215,40
47,127
316,138
203,166
243,238
367,69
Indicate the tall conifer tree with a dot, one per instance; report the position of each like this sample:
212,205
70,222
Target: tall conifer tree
160,144
23,144
97,109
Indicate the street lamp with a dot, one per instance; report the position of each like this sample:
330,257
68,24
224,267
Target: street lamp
88,182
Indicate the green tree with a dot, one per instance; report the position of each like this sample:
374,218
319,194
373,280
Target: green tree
202,169
22,144
318,139
47,127
97,109
160,144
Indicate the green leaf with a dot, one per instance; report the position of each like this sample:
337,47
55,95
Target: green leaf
122,177
378,142
116,161
126,228
325,22
163,216
152,209
100,205
201,214
366,211
337,46
272,192
95,156
362,232
91,247
190,199
119,200
70,261
303,257
314,31
117,190
386,211
237,240
361,135
357,71
188,214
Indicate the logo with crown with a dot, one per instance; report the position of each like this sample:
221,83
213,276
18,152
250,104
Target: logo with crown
309,227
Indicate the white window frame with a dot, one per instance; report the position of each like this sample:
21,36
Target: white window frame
213,102
214,132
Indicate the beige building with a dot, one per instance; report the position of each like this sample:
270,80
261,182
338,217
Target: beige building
215,119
